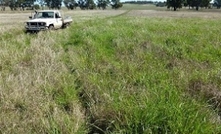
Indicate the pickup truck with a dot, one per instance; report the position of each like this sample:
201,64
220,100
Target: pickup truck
47,20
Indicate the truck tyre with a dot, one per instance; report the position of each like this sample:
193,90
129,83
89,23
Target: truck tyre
51,27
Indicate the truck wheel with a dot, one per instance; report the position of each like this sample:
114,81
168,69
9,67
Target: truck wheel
67,25
51,27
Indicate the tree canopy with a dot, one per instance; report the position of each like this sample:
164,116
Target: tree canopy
174,4
56,4
191,3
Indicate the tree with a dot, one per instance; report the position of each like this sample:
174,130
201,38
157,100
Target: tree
205,3
116,4
13,5
86,4
217,3
36,6
22,4
185,3
91,4
174,4
25,4
2,4
53,4
102,4
197,3
82,4
42,3
70,4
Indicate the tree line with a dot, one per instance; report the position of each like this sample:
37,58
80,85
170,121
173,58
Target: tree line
56,4
175,4
90,4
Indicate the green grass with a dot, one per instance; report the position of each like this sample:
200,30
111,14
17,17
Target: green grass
119,74
135,74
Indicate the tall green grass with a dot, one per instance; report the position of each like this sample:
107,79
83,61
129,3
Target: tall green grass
134,75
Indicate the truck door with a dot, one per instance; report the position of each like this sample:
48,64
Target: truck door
58,20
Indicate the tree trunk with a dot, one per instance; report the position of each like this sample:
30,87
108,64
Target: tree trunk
174,8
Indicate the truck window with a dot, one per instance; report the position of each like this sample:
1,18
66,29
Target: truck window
57,15
45,15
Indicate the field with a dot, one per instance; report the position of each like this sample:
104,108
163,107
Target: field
112,71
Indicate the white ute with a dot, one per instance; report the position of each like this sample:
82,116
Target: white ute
47,20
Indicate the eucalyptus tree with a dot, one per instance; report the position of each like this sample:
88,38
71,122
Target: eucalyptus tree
70,4
13,5
116,4
102,4
205,3
3,3
217,3
22,4
53,4
174,4
86,4
196,3
42,3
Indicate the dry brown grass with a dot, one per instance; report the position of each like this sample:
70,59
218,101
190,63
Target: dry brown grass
30,67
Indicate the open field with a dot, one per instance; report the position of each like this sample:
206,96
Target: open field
112,71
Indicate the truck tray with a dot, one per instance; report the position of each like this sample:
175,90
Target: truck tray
67,19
